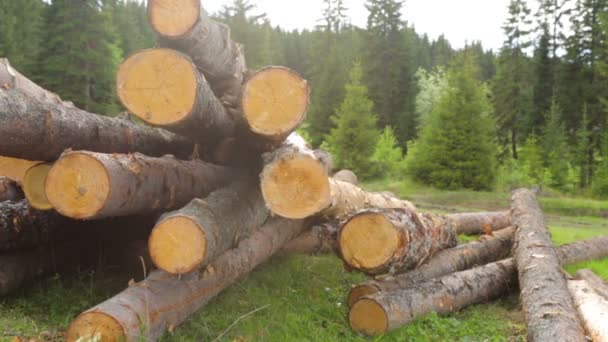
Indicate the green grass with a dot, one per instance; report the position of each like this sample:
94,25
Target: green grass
301,298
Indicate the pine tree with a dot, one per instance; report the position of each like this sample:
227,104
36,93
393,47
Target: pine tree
21,33
545,81
600,180
531,160
456,148
432,86
388,156
246,28
583,149
555,147
130,19
354,138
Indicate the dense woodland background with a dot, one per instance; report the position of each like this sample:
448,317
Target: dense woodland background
387,101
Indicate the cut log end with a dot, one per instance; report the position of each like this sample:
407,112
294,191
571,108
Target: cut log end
177,245
96,326
78,186
359,292
296,187
33,186
275,101
14,168
368,241
158,85
173,18
368,317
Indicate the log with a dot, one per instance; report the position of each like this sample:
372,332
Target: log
9,190
546,301
33,186
164,301
295,185
466,256
379,241
190,238
598,284
186,26
14,168
481,223
592,308
89,185
37,125
346,176
320,239
385,311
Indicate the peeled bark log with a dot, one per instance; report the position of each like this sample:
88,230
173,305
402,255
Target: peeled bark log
385,311
598,284
190,238
481,223
318,240
550,314
144,311
592,309
14,168
186,26
9,190
347,176
33,186
488,249
88,185
295,185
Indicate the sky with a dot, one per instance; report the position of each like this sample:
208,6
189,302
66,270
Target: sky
460,20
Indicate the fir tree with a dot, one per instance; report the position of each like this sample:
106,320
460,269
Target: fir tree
583,150
388,156
544,84
20,33
555,147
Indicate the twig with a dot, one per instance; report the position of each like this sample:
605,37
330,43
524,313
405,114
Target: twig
239,319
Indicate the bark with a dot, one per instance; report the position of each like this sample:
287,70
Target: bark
598,284
9,190
481,223
321,239
592,309
550,314
88,185
386,311
346,176
207,227
466,256
380,241
163,301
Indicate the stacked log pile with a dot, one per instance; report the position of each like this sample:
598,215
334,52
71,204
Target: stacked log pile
217,182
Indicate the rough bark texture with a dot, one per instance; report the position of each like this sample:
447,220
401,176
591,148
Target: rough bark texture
598,284
319,239
346,176
480,223
547,304
419,237
24,227
209,44
146,310
592,309
135,184
9,190
224,218
466,256
391,310
37,125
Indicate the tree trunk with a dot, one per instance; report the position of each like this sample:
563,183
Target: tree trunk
295,185
14,168
318,240
598,284
592,309
393,240
385,311
186,26
88,185
33,186
463,257
190,238
550,314
347,176
481,223
9,190
144,311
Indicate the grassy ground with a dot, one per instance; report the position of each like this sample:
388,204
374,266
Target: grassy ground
301,298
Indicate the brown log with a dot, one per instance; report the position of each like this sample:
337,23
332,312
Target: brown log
546,301
37,125
346,176
295,185
598,284
466,256
186,26
379,241
9,190
385,311
592,308
320,239
190,238
33,186
14,168
144,311
88,185
481,223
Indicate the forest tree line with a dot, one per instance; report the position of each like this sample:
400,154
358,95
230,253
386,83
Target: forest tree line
387,100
